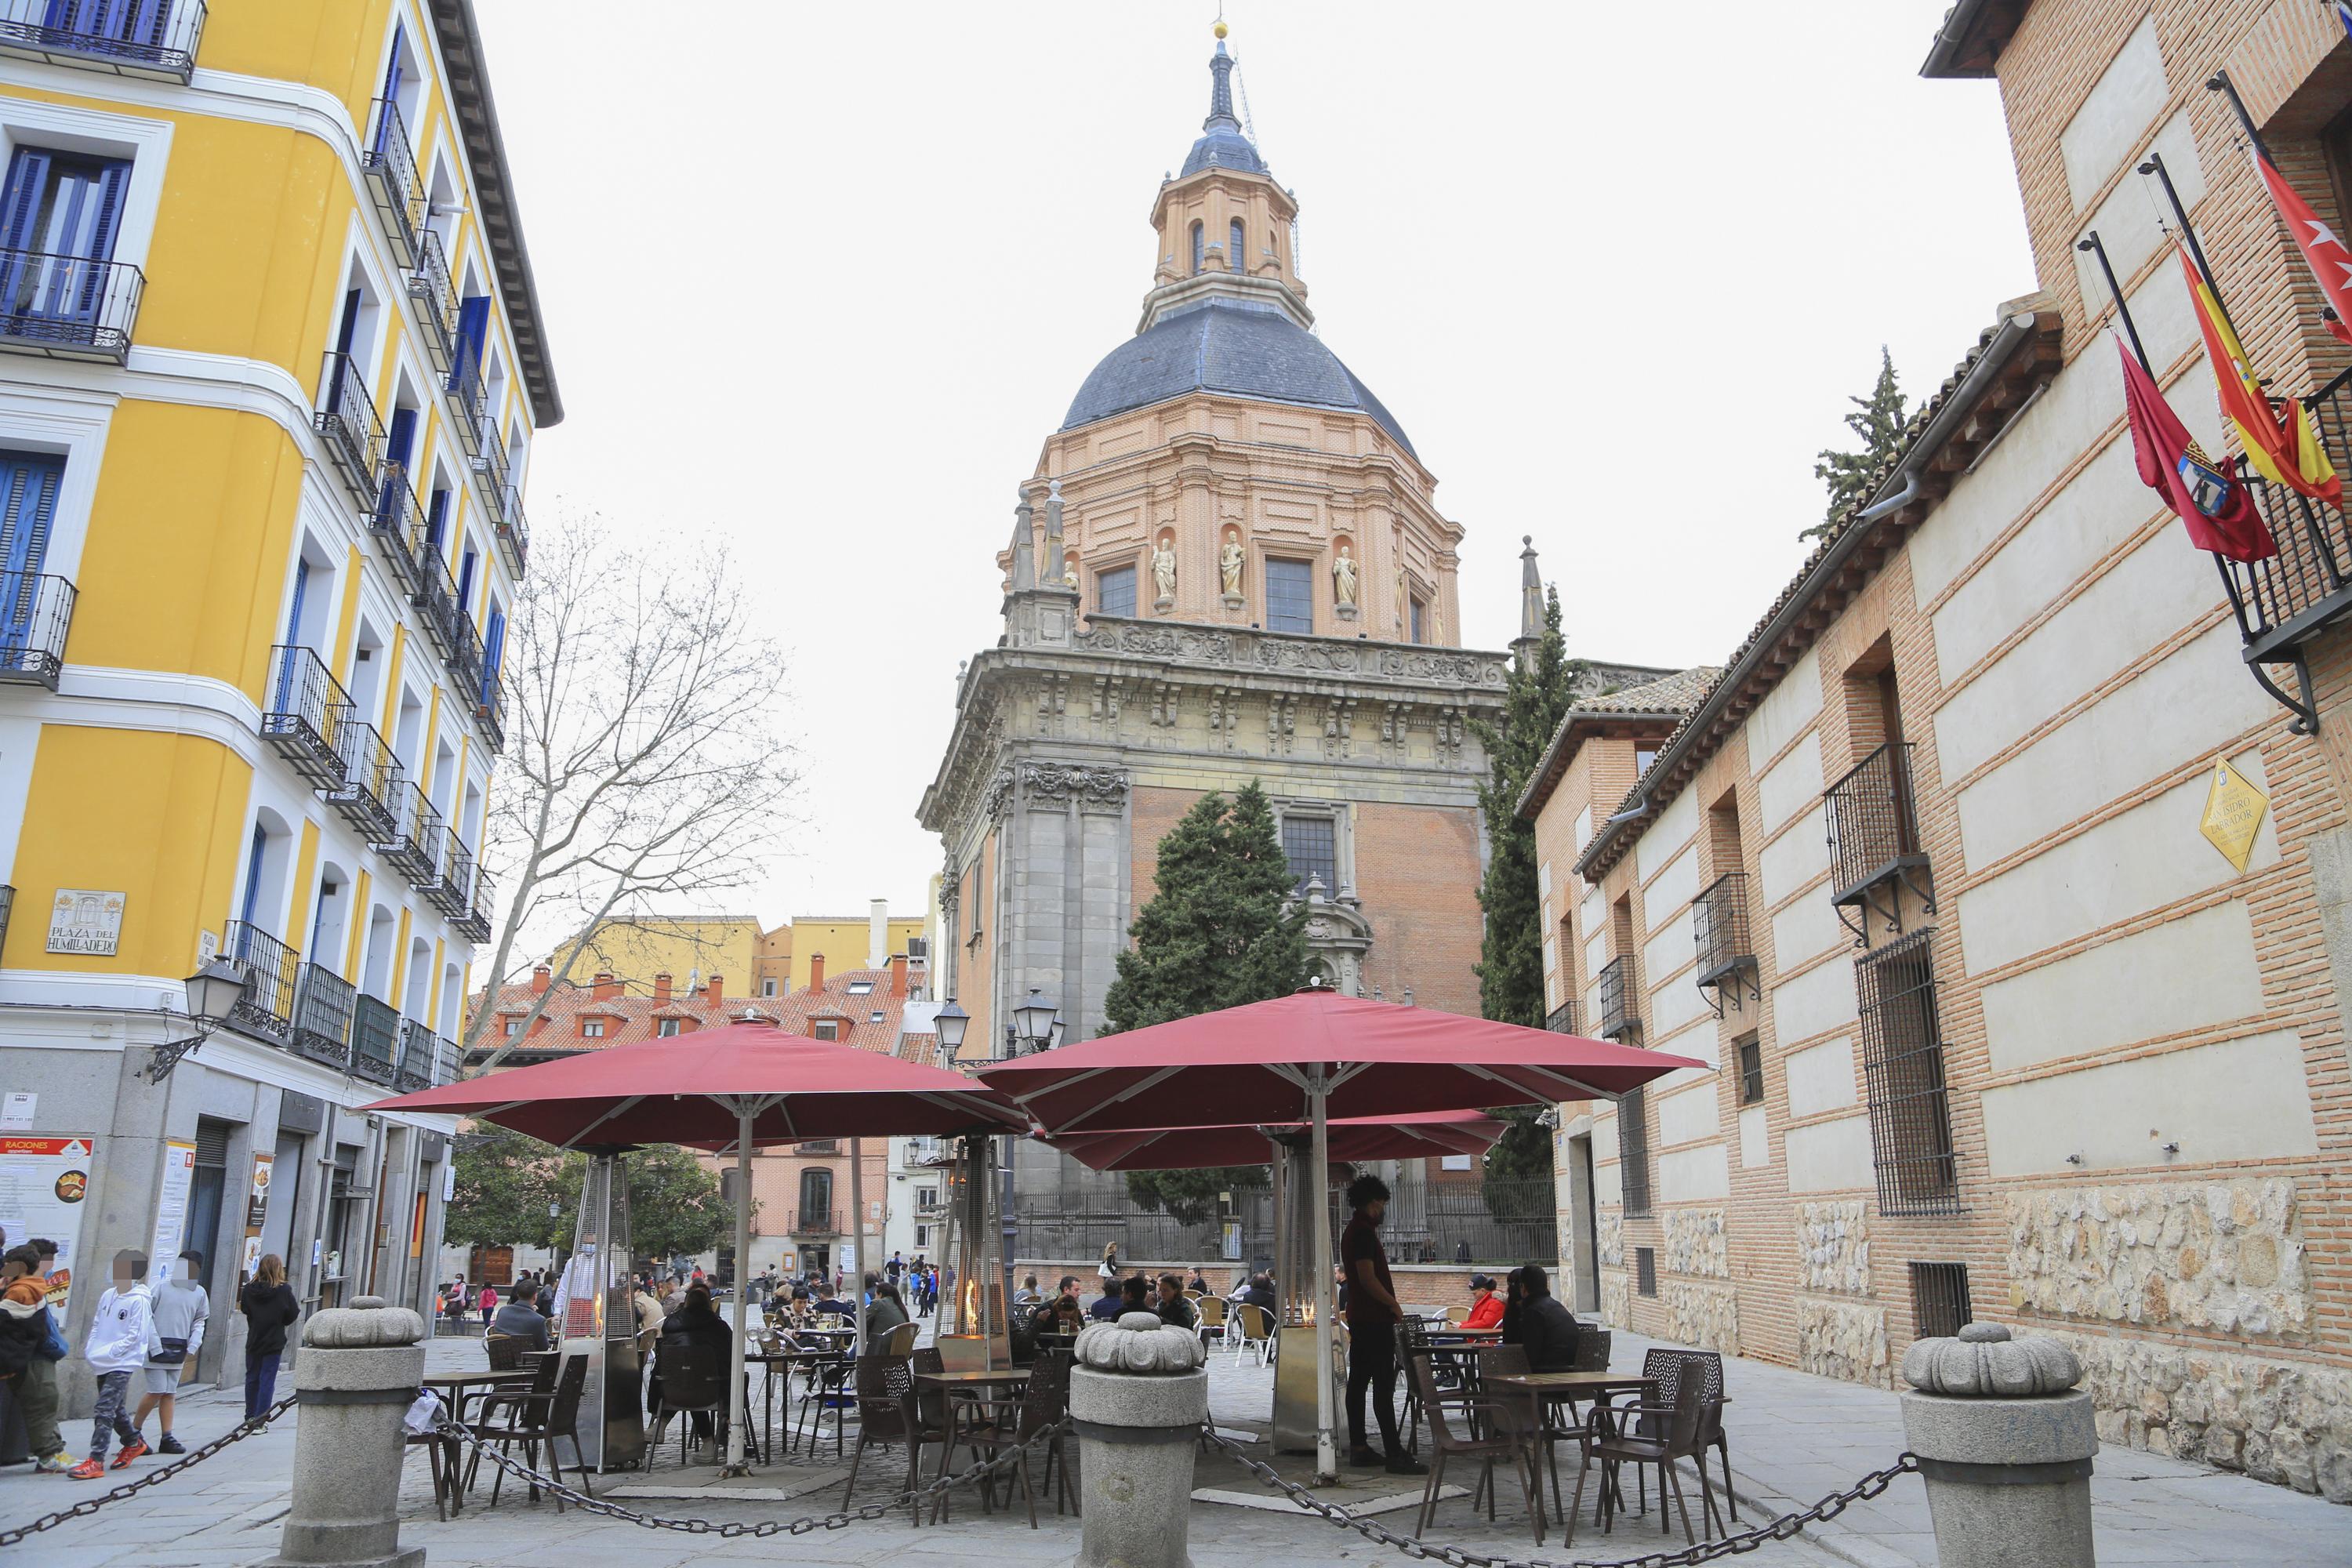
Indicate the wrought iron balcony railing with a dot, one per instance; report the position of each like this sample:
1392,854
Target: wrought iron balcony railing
490,711
67,307
156,38
35,612
346,419
473,925
437,301
323,1016
466,397
7,907
414,845
418,1059
1616,1000
1561,1020
464,660
2284,602
303,713
489,465
816,1222
1719,930
375,1039
272,970
451,890
390,165
513,532
398,525
370,773
436,596
1874,831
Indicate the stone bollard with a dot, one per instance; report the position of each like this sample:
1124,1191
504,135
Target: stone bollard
1139,1392
2004,1441
358,1374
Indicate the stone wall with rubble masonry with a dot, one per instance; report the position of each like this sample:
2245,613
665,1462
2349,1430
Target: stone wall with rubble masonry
1844,1339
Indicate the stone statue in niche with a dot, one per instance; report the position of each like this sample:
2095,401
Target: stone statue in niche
1070,572
1229,565
1164,572
1403,625
1343,579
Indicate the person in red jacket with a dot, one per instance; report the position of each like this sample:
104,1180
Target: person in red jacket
1485,1307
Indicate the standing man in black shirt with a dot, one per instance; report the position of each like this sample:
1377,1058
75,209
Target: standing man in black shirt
1372,1317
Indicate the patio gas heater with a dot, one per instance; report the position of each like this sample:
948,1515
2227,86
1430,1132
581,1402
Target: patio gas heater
1301,1182
975,1249
595,1313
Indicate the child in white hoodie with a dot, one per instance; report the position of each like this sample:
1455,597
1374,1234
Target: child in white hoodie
121,1337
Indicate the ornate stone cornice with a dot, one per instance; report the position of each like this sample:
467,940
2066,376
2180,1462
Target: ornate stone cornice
1226,647
1054,786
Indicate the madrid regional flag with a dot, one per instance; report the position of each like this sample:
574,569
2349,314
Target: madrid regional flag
2211,504
2324,251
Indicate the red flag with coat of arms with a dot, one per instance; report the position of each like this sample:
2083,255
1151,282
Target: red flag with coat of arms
2212,503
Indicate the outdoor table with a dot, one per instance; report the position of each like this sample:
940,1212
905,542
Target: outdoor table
455,1385
1597,1387
769,1362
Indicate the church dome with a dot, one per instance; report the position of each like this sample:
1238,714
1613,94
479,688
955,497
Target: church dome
1223,149
1228,348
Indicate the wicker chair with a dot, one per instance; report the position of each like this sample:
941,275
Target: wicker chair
505,1352
1503,1423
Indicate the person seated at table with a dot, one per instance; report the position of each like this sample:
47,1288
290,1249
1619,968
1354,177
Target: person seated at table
886,1314
520,1316
698,1323
1174,1309
1536,1319
1108,1306
1485,1307
1062,1313
834,1306
1028,1295
1196,1282
1259,1293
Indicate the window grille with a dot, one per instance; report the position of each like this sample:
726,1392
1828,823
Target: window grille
1634,1151
1646,1270
1616,999
1289,595
1903,1066
1311,845
1751,1072
1115,591
1939,1299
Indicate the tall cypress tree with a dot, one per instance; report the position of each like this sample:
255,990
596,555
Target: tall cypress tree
1536,696
1879,420
1220,931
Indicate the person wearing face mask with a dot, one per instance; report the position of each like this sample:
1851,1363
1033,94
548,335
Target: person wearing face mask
182,1310
122,1338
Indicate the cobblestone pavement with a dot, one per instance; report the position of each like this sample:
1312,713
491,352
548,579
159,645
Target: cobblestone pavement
1793,1438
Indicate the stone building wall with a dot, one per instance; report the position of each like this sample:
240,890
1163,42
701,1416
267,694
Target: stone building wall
1844,1339
1703,1315
1833,1247
1695,1244
2228,1257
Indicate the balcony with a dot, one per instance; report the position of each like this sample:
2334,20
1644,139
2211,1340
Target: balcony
371,774
425,1058
1874,854
157,40
397,524
466,401
451,890
1561,1020
67,307
489,465
302,713
1726,952
491,712
473,925
375,1040
437,301
390,165
2284,604
816,1222
272,969
323,1016
413,847
35,612
1616,999
513,532
346,420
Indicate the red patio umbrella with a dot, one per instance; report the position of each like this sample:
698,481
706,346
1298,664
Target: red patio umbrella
733,1088
1306,1057
1366,1138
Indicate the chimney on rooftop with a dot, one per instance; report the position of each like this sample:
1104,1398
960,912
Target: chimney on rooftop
899,976
661,989
816,971
540,978
717,993
604,988
877,933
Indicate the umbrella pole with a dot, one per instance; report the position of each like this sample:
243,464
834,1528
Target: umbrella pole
736,1413
857,1244
1327,1458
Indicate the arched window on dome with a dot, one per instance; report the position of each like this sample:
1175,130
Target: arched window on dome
1233,246
1197,243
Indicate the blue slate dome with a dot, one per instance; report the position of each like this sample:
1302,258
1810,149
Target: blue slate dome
1228,348
1222,150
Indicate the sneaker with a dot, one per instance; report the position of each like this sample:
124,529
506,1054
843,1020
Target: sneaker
56,1464
1365,1459
131,1450
88,1471
1405,1465
170,1444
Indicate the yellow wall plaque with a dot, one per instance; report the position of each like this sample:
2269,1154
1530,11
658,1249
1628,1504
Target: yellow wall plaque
2233,813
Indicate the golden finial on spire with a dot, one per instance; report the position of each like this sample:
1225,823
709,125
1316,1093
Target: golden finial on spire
1220,27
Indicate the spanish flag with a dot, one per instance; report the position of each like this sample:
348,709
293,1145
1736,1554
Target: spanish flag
2283,447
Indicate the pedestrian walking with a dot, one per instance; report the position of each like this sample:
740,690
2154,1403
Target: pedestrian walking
182,1310
489,1302
270,1308
30,1349
121,1337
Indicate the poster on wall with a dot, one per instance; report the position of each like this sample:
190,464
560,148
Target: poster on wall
44,1182
172,1208
257,1214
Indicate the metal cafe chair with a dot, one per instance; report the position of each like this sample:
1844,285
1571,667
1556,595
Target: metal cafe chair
1503,1423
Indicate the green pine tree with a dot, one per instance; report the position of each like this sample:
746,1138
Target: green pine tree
1536,696
1879,420
1220,931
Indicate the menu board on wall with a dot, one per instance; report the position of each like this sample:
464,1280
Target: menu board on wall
172,1208
44,1182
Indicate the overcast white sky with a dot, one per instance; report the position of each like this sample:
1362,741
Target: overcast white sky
823,278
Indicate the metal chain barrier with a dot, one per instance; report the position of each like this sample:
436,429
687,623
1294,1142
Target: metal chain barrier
1782,1529
985,1470
195,1456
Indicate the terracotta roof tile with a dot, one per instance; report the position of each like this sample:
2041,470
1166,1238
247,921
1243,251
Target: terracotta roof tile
632,1017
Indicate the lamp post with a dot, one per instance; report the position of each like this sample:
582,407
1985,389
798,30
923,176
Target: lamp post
1033,1022
214,992
950,1025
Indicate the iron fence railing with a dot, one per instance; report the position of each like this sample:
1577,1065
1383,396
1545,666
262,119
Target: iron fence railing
1616,1001
398,524
272,971
489,465
491,710
437,301
1561,1020
156,38
467,395
390,164
816,1222
36,613
1634,1152
303,713
413,847
346,419
2281,601
375,1039
1874,825
370,772
413,1068
1912,1151
68,307
1719,928
322,1015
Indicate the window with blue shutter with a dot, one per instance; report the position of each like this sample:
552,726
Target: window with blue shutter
396,446
59,215
293,634
117,21
494,647
473,331
253,873
466,578
1289,594
435,515
28,503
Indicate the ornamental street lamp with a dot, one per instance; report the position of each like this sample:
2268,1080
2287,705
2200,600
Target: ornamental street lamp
1033,1021
950,1025
214,992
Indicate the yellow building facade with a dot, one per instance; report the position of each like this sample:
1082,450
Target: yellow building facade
778,961
271,365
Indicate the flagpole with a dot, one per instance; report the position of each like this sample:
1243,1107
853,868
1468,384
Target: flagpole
2155,165
2090,242
2220,82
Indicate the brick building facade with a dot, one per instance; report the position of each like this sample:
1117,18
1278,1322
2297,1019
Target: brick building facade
1997,1028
